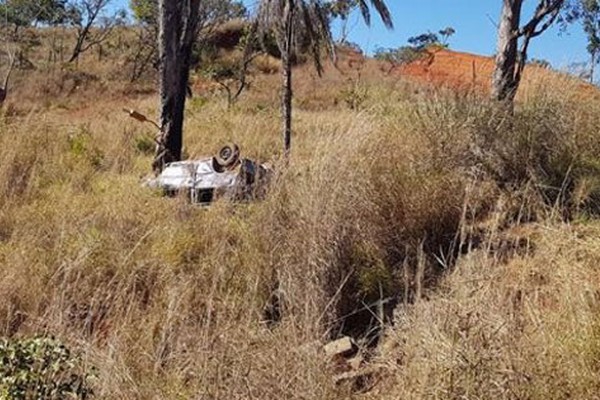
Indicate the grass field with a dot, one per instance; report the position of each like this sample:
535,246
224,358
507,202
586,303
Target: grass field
481,229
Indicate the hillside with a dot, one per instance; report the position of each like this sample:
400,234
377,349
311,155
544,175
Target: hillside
458,247
466,71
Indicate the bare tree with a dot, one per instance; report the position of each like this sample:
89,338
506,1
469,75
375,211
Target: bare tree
178,25
144,53
93,27
232,75
303,24
588,13
511,56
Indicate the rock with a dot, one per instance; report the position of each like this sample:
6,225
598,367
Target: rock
343,347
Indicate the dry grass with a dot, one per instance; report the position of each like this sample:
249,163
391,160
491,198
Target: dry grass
168,300
526,328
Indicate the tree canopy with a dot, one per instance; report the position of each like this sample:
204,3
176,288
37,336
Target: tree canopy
28,12
146,11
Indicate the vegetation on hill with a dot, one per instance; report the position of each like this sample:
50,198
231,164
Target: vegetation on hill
456,244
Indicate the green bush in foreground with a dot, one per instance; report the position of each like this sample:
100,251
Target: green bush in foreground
41,368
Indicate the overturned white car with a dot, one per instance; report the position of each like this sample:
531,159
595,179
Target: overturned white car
224,175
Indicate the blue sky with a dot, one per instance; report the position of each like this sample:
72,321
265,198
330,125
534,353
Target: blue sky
473,21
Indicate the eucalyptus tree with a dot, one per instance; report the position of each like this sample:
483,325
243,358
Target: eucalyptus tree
304,25
180,26
513,43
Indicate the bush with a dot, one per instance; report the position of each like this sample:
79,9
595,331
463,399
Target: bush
41,368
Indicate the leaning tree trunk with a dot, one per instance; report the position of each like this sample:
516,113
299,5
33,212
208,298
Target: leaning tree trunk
178,20
504,80
286,89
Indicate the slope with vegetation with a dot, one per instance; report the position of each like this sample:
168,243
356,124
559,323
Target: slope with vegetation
458,246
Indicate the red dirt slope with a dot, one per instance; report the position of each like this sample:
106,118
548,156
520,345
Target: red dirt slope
459,70
450,68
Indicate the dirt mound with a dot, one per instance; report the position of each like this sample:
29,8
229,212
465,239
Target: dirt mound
465,71
449,68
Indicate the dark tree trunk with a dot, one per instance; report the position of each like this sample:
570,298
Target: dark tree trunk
504,84
178,20
593,67
78,49
286,90
286,105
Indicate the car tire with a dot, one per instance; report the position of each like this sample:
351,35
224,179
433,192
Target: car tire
228,156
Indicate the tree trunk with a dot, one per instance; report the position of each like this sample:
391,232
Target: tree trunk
287,105
504,84
78,49
593,67
286,90
178,21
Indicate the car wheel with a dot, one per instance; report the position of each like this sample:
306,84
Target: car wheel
228,156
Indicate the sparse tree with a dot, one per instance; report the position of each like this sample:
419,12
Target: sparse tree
424,40
578,69
232,73
513,43
92,24
445,34
540,63
144,53
588,12
298,24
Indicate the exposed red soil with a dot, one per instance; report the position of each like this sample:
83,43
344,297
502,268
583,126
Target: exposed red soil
465,71
449,68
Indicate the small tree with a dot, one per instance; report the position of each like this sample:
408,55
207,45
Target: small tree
232,73
92,24
445,34
424,40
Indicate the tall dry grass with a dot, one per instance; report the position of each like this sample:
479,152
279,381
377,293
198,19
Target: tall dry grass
169,300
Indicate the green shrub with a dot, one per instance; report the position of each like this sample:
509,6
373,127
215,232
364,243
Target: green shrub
144,144
41,368
81,148
355,96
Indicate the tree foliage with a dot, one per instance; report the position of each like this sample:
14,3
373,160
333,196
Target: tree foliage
416,49
28,12
210,11
343,8
588,13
